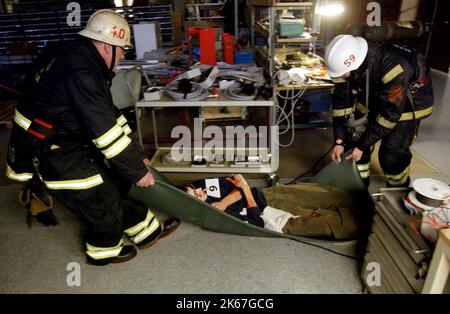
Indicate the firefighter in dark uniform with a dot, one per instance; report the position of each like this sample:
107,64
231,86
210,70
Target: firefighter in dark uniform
381,93
86,156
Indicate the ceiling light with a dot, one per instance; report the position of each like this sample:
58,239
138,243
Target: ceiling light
330,10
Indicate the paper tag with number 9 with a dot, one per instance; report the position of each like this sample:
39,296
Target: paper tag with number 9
212,187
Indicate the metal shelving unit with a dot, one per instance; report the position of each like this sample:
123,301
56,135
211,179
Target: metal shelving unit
197,7
269,166
270,9
265,55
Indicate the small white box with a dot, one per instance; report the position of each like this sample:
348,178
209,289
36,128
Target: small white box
152,94
224,84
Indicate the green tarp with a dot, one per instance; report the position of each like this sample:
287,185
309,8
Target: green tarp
167,198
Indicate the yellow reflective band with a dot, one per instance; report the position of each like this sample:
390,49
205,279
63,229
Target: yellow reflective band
418,114
109,136
106,254
361,108
103,252
337,80
397,182
364,174
25,176
386,123
146,232
342,112
398,177
132,231
90,247
126,129
404,24
80,184
363,167
21,120
392,74
121,120
117,148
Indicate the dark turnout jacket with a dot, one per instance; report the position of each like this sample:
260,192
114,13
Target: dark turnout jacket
400,84
69,119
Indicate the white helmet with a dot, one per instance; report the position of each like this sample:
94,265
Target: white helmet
109,27
345,53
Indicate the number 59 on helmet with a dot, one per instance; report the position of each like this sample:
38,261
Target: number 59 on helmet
345,53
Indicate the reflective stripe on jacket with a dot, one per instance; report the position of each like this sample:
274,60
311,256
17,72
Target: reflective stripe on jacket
71,93
393,74
78,184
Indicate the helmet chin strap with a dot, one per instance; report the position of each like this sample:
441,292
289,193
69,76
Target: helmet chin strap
113,58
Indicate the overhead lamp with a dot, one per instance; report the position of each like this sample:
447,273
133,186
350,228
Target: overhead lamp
330,9
123,3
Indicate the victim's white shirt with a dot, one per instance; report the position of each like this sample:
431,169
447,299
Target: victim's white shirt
275,219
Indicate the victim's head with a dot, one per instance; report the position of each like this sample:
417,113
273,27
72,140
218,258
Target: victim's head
197,193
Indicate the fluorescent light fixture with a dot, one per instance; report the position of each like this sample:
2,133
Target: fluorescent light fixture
330,9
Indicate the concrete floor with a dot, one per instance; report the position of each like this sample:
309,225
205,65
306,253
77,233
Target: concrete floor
194,260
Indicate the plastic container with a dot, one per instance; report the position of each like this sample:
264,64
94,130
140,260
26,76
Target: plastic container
290,28
208,46
228,48
243,57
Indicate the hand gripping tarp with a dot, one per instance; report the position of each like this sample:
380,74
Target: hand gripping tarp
165,197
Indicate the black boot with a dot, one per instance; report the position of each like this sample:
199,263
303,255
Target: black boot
128,252
166,228
150,240
169,226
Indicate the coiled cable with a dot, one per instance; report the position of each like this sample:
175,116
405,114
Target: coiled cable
198,93
234,93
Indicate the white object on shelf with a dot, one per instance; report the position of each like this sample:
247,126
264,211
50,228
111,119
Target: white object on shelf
152,94
146,38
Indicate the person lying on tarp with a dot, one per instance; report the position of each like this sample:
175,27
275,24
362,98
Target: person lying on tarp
305,209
